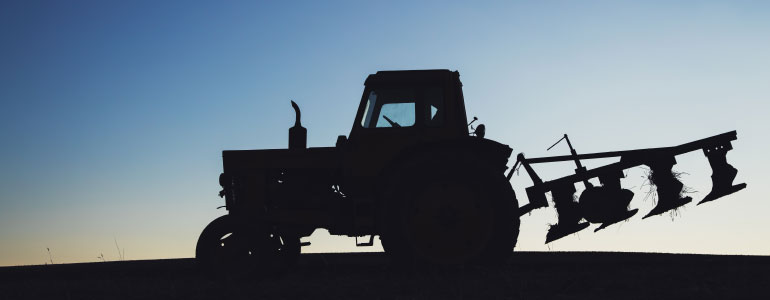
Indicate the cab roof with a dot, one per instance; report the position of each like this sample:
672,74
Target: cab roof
412,77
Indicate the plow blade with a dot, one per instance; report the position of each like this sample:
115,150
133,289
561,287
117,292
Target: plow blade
669,188
722,175
623,217
609,203
569,213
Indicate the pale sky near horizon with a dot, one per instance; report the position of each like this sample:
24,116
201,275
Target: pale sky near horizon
113,115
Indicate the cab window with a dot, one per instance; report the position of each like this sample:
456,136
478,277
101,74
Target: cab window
434,107
389,108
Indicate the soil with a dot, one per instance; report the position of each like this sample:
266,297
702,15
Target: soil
528,275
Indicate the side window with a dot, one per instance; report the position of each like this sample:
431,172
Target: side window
389,108
434,107
369,110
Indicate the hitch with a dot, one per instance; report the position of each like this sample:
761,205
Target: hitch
609,203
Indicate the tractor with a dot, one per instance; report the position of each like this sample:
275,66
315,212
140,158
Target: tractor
416,173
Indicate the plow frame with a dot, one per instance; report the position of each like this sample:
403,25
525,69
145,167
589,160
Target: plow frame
715,148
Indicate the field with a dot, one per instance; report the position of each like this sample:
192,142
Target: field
528,275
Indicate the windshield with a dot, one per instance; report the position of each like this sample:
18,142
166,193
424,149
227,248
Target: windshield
389,108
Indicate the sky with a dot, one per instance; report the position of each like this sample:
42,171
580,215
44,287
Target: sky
113,114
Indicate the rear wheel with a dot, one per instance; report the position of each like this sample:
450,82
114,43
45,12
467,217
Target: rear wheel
450,215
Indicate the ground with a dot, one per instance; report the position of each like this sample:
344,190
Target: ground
528,275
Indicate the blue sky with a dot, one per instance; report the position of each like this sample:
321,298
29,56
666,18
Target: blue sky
113,115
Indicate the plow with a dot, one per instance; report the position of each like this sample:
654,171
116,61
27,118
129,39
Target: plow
608,204
416,173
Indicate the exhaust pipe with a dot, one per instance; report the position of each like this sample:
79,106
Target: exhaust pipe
297,134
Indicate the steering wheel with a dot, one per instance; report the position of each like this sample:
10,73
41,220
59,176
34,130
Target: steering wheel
394,124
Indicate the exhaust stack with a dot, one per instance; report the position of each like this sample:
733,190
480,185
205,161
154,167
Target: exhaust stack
297,134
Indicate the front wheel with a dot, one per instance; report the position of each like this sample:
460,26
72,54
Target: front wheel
229,249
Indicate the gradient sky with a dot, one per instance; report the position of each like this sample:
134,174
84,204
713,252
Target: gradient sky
113,113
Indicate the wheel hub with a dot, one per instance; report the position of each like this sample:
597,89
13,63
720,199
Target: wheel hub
450,222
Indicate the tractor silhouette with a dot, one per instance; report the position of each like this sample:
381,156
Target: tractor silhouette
416,173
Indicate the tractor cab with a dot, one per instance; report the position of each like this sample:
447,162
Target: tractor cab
403,109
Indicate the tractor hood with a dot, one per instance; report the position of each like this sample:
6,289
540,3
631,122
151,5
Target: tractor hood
235,161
